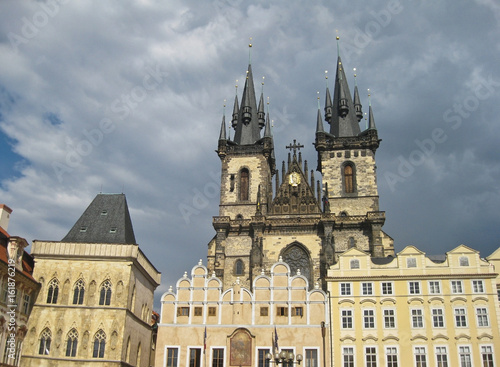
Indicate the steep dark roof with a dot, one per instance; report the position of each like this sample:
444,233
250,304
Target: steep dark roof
106,220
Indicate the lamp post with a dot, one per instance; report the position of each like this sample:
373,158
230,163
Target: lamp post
284,357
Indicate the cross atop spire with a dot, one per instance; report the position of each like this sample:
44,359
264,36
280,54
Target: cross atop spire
295,146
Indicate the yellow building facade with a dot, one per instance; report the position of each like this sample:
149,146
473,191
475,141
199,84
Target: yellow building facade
414,310
203,324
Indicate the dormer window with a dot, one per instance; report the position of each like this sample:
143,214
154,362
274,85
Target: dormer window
83,229
104,212
112,230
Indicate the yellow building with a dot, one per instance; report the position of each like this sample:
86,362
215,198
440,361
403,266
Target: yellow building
414,310
203,324
94,308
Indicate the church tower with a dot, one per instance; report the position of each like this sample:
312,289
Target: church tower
307,223
346,160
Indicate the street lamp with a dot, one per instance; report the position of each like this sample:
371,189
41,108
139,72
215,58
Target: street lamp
284,357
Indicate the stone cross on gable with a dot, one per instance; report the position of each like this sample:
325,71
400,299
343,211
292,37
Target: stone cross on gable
295,146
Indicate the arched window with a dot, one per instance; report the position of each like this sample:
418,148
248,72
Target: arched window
99,344
53,291
139,354
127,352
79,292
244,184
297,257
105,296
72,343
351,243
238,267
348,179
45,340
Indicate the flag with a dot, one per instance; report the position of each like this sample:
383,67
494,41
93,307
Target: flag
276,339
205,341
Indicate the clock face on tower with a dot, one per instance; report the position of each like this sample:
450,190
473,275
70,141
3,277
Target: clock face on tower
294,179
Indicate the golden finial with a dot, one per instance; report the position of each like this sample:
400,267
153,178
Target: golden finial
247,74
326,74
263,80
369,99
236,86
250,44
338,38
268,101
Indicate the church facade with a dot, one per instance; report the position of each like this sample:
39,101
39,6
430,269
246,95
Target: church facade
262,297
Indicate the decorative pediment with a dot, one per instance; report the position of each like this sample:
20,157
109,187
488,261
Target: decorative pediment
295,195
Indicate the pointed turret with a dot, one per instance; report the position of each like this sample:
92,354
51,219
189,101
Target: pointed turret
357,103
319,125
267,131
236,111
247,130
222,135
261,113
328,105
371,120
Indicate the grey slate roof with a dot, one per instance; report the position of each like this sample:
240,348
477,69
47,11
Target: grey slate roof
106,220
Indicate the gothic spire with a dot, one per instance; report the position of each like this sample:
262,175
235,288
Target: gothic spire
344,121
247,130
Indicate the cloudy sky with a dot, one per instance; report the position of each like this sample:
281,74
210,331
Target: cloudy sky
128,96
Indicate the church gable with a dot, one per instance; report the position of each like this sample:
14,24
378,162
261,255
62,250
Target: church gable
295,195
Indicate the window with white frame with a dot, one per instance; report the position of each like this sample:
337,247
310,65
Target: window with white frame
387,288
487,356
369,319
347,357
367,289
391,356
311,358
457,286
465,356
460,317
441,357
420,357
172,357
346,319
477,286
217,357
417,318
261,358
414,287
345,289
371,356
482,317
437,317
389,319
434,287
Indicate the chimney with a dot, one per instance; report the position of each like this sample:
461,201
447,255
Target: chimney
4,216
